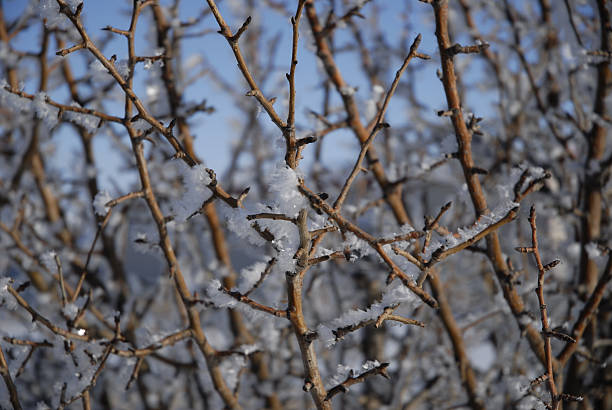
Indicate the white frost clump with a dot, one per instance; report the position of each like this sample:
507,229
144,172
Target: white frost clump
249,276
371,104
592,250
283,184
100,201
395,294
41,405
369,365
284,259
141,125
568,56
101,74
214,294
123,68
89,122
12,101
217,297
537,172
44,110
238,223
348,91
98,71
195,181
342,372
484,222
70,310
47,259
358,247
49,10
6,299
321,251
231,368
404,230
7,57
248,349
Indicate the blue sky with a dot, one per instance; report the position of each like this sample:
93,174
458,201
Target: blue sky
214,133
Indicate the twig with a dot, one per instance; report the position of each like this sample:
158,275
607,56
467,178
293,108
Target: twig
8,381
60,272
442,253
305,337
552,388
354,379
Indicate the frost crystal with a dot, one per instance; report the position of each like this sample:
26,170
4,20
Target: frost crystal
406,229
98,71
70,310
6,299
358,247
249,276
348,91
231,369
238,223
217,297
248,349
283,184
592,250
370,364
195,181
123,68
371,104
7,57
47,259
100,201
50,12
141,125
12,101
343,371
41,405
89,122
395,294
45,111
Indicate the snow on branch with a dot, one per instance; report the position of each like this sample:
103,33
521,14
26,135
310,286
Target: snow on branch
220,297
351,376
467,237
395,295
196,192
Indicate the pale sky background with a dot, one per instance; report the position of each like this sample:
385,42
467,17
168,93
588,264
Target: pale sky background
214,133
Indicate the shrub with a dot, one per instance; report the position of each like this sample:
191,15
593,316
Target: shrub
431,209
